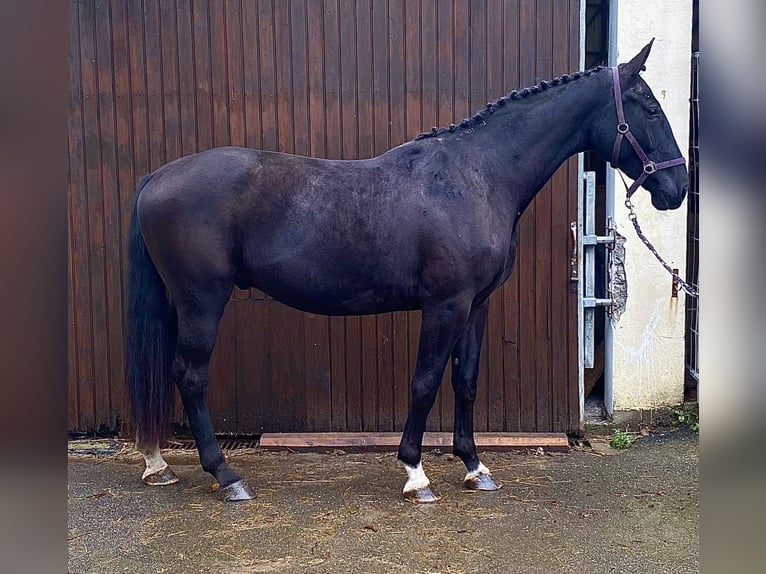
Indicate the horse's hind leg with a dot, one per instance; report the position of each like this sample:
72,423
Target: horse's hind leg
157,472
197,327
440,328
465,372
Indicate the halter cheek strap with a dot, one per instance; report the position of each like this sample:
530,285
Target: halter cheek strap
623,131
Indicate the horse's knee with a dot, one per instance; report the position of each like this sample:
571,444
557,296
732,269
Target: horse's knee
423,394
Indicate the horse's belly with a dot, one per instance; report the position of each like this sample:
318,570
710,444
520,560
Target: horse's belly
336,296
338,302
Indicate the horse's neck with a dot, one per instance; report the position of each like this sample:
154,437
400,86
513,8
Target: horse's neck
534,136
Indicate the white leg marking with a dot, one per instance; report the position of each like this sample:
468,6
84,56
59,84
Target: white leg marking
481,469
154,461
416,478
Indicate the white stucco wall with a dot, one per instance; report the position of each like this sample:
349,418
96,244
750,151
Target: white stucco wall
648,353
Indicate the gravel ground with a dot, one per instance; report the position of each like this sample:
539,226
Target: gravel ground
590,510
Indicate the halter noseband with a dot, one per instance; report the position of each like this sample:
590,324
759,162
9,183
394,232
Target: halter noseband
623,131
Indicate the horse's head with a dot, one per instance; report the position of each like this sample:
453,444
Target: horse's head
646,124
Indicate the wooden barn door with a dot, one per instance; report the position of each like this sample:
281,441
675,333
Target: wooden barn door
151,81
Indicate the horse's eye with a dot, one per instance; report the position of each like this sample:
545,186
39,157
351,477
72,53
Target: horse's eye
654,111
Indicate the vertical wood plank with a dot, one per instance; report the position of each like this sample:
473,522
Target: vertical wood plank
392,346
253,401
252,123
288,359
203,74
442,415
560,245
282,65
423,113
338,397
93,400
477,99
334,130
494,334
78,304
268,80
153,51
462,61
307,80
575,415
369,342
367,148
222,386
187,86
526,244
171,110
384,359
350,150
108,385
222,391
543,242
311,63
510,291
415,110
252,75
495,54
219,75
446,65
126,176
310,132
349,75
332,80
380,77
354,375
235,72
364,79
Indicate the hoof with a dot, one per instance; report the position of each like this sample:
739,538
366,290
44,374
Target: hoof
482,482
161,477
424,495
235,492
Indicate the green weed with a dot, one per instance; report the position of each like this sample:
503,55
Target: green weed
621,440
686,417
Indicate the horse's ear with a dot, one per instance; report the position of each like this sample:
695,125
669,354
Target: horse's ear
629,71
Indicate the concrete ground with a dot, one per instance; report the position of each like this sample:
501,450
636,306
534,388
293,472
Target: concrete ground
590,510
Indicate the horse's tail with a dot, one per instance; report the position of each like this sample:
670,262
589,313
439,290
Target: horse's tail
150,344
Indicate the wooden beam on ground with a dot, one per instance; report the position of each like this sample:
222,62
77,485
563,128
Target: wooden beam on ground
390,441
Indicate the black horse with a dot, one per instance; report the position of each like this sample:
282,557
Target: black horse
430,225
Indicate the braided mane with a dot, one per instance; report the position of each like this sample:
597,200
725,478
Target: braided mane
491,107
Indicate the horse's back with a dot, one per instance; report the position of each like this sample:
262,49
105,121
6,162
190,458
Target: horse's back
326,236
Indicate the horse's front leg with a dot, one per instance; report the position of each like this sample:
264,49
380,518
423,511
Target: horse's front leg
465,372
441,326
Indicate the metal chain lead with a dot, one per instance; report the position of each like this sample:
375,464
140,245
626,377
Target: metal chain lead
690,289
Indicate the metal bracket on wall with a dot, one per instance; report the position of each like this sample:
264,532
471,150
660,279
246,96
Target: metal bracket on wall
589,243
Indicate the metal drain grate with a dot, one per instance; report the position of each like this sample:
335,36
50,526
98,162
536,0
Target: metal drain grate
224,443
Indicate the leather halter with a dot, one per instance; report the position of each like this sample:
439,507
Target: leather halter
623,131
